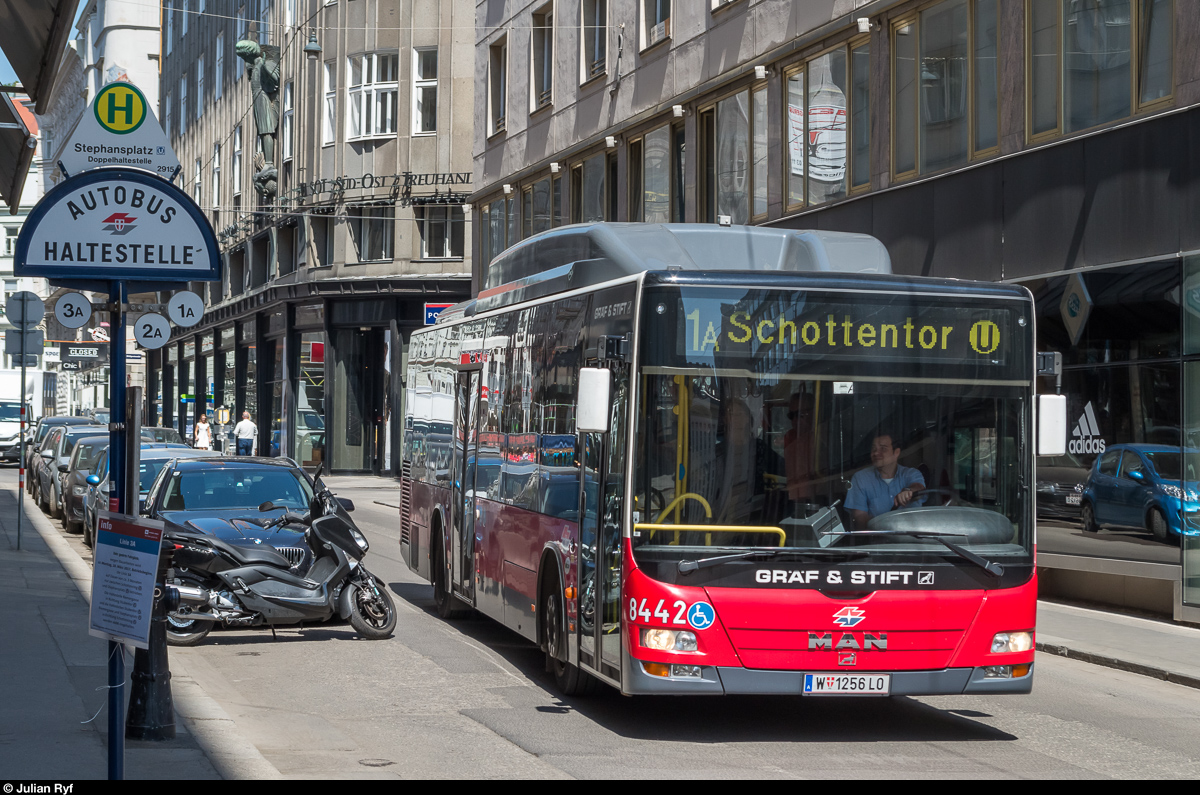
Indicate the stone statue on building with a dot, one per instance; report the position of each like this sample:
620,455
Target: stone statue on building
262,67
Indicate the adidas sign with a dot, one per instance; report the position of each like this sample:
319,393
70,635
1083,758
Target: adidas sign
1086,439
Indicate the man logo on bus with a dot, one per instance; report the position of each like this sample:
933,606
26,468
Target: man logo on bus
849,617
701,615
985,336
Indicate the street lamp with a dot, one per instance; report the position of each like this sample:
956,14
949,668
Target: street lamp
312,49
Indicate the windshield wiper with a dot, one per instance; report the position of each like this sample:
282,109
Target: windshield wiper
994,569
688,566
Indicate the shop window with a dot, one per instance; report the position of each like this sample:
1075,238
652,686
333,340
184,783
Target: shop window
1095,63
589,190
494,226
944,84
425,90
542,59
736,149
373,227
441,229
371,95
310,401
593,37
498,87
635,181
536,208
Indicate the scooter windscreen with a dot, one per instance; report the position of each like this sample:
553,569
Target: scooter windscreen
335,530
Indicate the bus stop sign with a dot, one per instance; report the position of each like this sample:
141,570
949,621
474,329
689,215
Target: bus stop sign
117,224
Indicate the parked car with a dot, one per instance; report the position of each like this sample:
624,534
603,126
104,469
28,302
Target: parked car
75,485
37,436
160,434
53,460
150,463
221,497
1147,486
1060,483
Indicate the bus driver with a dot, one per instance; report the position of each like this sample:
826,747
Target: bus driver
885,485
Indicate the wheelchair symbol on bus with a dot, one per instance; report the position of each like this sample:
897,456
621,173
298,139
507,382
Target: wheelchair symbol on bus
701,615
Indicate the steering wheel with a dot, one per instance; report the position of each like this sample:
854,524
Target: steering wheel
951,493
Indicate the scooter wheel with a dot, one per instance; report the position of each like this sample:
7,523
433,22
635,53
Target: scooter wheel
185,632
372,613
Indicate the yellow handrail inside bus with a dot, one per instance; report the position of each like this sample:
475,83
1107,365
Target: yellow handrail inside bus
686,496
708,530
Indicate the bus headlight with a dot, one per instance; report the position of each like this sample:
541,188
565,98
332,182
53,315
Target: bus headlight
1008,642
669,640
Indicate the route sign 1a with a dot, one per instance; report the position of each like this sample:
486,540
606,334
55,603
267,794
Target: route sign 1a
114,224
185,309
120,130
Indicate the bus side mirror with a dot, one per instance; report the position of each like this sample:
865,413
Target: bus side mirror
1050,419
595,387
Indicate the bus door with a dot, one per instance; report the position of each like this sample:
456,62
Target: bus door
466,451
600,563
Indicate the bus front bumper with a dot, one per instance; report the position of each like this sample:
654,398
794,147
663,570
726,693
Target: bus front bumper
743,681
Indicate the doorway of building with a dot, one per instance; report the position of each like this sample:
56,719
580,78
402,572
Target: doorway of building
356,433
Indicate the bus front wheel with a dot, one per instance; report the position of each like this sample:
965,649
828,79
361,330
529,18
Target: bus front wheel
569,678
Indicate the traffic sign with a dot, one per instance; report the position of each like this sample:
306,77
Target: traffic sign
73,310
114,224
152,330
185,309
24,309
18,341
120,131
30,360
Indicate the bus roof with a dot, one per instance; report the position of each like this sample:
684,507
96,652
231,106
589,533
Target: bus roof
581,255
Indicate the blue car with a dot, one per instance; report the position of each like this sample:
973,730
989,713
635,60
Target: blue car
1144,486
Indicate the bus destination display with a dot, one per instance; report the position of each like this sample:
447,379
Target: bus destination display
820,329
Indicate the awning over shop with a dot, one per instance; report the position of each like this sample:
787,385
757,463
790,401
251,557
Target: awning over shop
32,36
17,147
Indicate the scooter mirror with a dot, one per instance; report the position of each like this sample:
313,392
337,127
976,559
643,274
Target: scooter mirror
267,506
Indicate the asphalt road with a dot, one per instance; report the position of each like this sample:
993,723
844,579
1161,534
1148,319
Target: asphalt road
469,699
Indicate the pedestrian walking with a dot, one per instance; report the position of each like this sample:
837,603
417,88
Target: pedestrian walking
202,438
246,433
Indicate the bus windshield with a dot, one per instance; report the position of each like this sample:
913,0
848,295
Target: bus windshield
765,420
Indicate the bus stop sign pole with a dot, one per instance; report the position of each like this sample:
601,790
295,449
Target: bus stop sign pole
117,477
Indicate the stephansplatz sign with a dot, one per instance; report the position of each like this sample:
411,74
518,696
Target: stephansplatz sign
117,224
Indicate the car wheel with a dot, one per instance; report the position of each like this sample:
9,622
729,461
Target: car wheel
41,499
1087,518
53,509
1158,526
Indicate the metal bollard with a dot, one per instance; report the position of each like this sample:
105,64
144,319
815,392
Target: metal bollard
151,709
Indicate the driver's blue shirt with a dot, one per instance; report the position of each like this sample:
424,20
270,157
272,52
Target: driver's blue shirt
869,492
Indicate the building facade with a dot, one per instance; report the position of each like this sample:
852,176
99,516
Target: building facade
1043,142
338,200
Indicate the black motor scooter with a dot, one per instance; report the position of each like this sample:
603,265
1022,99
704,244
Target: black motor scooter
235,585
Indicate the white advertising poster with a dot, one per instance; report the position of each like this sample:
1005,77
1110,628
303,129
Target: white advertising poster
126,562
796,140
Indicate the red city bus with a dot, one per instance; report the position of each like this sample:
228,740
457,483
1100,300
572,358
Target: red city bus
674,456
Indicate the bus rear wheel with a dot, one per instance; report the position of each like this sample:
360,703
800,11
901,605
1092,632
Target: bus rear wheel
569,678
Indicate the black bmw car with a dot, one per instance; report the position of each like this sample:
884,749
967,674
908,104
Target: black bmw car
221,497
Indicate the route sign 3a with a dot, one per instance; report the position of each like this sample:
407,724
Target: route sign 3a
73,310
119,130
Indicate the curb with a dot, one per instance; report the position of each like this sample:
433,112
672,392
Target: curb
1121,665
215,732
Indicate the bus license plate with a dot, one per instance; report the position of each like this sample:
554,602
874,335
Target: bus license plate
847,684
1072,499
